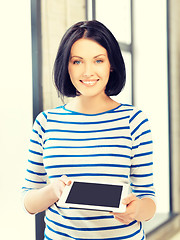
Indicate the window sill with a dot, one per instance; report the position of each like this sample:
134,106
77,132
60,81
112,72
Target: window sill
162,225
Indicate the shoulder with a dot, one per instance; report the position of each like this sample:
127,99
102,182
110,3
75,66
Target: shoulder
43,116
138,119
132,111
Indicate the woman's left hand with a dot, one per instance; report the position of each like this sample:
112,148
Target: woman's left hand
132,209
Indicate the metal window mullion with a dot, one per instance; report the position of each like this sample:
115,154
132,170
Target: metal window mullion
125,47
37,86
169,111
90,9
93,9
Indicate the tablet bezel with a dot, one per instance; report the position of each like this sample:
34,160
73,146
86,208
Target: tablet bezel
122,208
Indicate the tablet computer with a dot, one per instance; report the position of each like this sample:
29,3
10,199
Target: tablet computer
94,196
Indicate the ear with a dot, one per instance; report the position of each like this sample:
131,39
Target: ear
111,69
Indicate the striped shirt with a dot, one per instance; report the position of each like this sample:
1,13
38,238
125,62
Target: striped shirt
114,146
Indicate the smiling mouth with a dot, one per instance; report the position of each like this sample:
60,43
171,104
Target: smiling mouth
89,82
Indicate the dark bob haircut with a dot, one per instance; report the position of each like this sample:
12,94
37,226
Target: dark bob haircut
96,31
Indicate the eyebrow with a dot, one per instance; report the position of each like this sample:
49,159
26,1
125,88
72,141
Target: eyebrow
93,57
100,55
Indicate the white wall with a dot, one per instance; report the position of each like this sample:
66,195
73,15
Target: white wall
15,116
151,90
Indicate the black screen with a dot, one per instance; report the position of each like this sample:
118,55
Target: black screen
95,194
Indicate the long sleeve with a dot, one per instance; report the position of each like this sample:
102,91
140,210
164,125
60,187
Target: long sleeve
36,176
142,156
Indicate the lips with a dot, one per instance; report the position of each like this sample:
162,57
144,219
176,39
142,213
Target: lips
89,83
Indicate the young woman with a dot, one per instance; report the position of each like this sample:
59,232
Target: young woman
91,138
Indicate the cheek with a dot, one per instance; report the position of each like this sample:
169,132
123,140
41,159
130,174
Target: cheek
74,72
106,69
105,73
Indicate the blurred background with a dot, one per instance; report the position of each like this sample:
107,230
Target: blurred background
149,36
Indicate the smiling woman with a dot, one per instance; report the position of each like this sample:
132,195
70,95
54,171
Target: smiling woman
107,141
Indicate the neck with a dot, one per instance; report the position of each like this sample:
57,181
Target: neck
92,105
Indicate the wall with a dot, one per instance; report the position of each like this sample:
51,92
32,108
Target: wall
16,116
56,16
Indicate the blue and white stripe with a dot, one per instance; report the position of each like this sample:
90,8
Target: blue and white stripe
114,146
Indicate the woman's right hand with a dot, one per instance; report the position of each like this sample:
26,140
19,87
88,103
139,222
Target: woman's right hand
38,200
58,186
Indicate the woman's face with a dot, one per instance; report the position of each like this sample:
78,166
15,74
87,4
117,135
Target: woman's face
89,67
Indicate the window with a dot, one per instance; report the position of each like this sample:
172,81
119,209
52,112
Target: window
143,41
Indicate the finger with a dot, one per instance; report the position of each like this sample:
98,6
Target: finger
116,214
65,180
122,220
119,216
131,197
119,219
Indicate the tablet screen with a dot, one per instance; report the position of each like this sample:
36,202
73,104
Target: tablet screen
95,194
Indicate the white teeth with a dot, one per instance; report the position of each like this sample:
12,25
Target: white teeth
89,82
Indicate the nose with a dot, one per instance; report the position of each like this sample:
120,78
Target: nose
88,70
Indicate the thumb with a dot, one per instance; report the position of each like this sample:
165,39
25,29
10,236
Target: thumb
65,180
131,197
